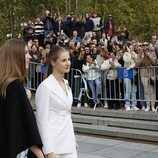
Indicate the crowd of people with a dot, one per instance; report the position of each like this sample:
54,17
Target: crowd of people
97,46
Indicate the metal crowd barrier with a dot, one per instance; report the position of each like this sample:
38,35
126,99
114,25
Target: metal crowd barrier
35,75
112,87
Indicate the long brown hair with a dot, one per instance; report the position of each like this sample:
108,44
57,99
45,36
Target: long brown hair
146,60
12,63
53,55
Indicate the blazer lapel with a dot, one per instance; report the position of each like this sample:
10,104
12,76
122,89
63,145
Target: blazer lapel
55,88
69,94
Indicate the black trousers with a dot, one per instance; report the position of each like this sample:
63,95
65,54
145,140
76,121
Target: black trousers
112,91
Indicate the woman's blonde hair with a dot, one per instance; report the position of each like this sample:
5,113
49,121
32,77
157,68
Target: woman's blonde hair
12,63
53,55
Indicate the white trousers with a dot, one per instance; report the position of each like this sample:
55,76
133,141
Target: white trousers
71,155
149,91
22,154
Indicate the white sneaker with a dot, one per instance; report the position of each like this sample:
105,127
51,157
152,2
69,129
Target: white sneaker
128,108
78,105
105,105
86,105
143,108
135,108
147,108
153,109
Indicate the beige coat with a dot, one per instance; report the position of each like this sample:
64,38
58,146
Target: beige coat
145,63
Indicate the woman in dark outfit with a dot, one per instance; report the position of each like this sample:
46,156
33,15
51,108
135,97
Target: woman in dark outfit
18,129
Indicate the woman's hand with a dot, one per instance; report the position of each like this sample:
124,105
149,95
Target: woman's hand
35,57
28,93
128,49
77,147
51,155
37,151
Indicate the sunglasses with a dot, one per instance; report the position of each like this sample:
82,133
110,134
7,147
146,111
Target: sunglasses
145,45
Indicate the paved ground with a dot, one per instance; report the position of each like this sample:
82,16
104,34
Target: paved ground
94,147
97,147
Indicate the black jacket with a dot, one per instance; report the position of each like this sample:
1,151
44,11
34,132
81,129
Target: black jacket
89,25
18,128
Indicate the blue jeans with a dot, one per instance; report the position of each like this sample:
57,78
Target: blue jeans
130,92
95,87
47,32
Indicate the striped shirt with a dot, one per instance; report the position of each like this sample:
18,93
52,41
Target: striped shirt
39,28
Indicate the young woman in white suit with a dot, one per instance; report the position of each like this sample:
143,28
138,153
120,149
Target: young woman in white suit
53,104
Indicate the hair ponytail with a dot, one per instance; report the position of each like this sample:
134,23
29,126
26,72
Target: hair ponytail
53,56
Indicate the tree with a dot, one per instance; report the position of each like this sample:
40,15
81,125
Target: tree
138,16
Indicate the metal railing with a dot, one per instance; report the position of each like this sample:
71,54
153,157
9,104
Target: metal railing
116,84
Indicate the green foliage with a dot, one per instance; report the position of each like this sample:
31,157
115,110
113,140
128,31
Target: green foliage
138,16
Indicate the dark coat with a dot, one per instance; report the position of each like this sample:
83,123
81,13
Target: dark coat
71,26
89,25
18,128
107,25
49,24
80,28
62,26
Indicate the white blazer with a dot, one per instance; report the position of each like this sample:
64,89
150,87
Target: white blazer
53,116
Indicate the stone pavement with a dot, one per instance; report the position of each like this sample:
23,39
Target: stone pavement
96,147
